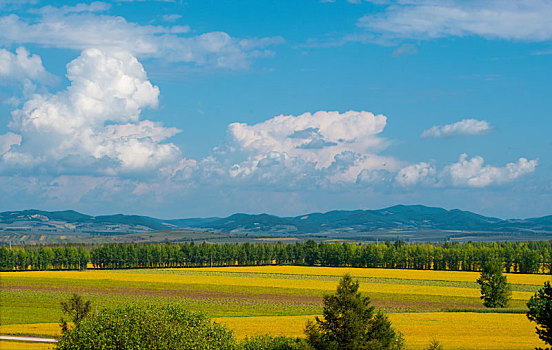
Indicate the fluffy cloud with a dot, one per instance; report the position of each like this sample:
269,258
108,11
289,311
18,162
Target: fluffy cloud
472,172
462,128
336,146
505,19
415,174
80,27
93,125
22,65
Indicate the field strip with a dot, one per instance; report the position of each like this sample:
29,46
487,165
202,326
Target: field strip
237,281
462,330
35,329
440,283
454,330
17,345
461,276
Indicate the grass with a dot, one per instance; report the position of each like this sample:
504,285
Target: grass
279,300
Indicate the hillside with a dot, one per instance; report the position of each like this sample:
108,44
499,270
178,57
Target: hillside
413,222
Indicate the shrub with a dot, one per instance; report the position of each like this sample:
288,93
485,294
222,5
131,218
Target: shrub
147,327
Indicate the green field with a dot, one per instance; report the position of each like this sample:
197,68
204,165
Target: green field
253,300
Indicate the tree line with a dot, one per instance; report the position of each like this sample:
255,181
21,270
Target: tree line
521,257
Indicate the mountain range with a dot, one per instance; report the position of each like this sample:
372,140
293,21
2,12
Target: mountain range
393,221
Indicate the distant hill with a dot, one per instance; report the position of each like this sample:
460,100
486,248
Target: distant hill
399,217
72,221
396,221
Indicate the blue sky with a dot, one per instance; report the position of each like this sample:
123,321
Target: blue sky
207,108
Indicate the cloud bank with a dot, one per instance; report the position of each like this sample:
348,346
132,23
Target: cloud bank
88,142
83,26
494,19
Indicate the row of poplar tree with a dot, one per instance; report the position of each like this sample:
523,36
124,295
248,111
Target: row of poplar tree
522,257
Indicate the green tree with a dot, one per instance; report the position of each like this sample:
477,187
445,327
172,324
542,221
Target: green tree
350,322
495,290
76,309
152,327
540,312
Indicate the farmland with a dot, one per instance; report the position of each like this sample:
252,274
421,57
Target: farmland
280,299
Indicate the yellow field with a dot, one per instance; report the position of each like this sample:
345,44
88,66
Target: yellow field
467,330
430,275
49,329
16,345
275,300
455,330
180,277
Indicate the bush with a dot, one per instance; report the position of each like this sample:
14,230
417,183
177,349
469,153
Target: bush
147,327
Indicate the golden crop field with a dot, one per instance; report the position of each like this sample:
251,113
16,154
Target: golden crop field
16,345
279,299
180,277
465,276
453,329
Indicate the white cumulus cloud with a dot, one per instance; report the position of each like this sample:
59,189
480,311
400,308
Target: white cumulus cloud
336,146
22,65
464,127
415,174
472,172
94,125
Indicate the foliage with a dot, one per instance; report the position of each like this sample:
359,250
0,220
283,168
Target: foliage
540,311
147,327
523,257
495,290
76,309
268,342
350,322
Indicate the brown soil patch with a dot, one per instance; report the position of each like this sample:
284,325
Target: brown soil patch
180,293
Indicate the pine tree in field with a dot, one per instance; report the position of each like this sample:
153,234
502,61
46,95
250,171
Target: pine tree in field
540,311
350,322
495,290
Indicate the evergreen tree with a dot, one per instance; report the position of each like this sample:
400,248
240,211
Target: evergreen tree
540,311
350,322
495,290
